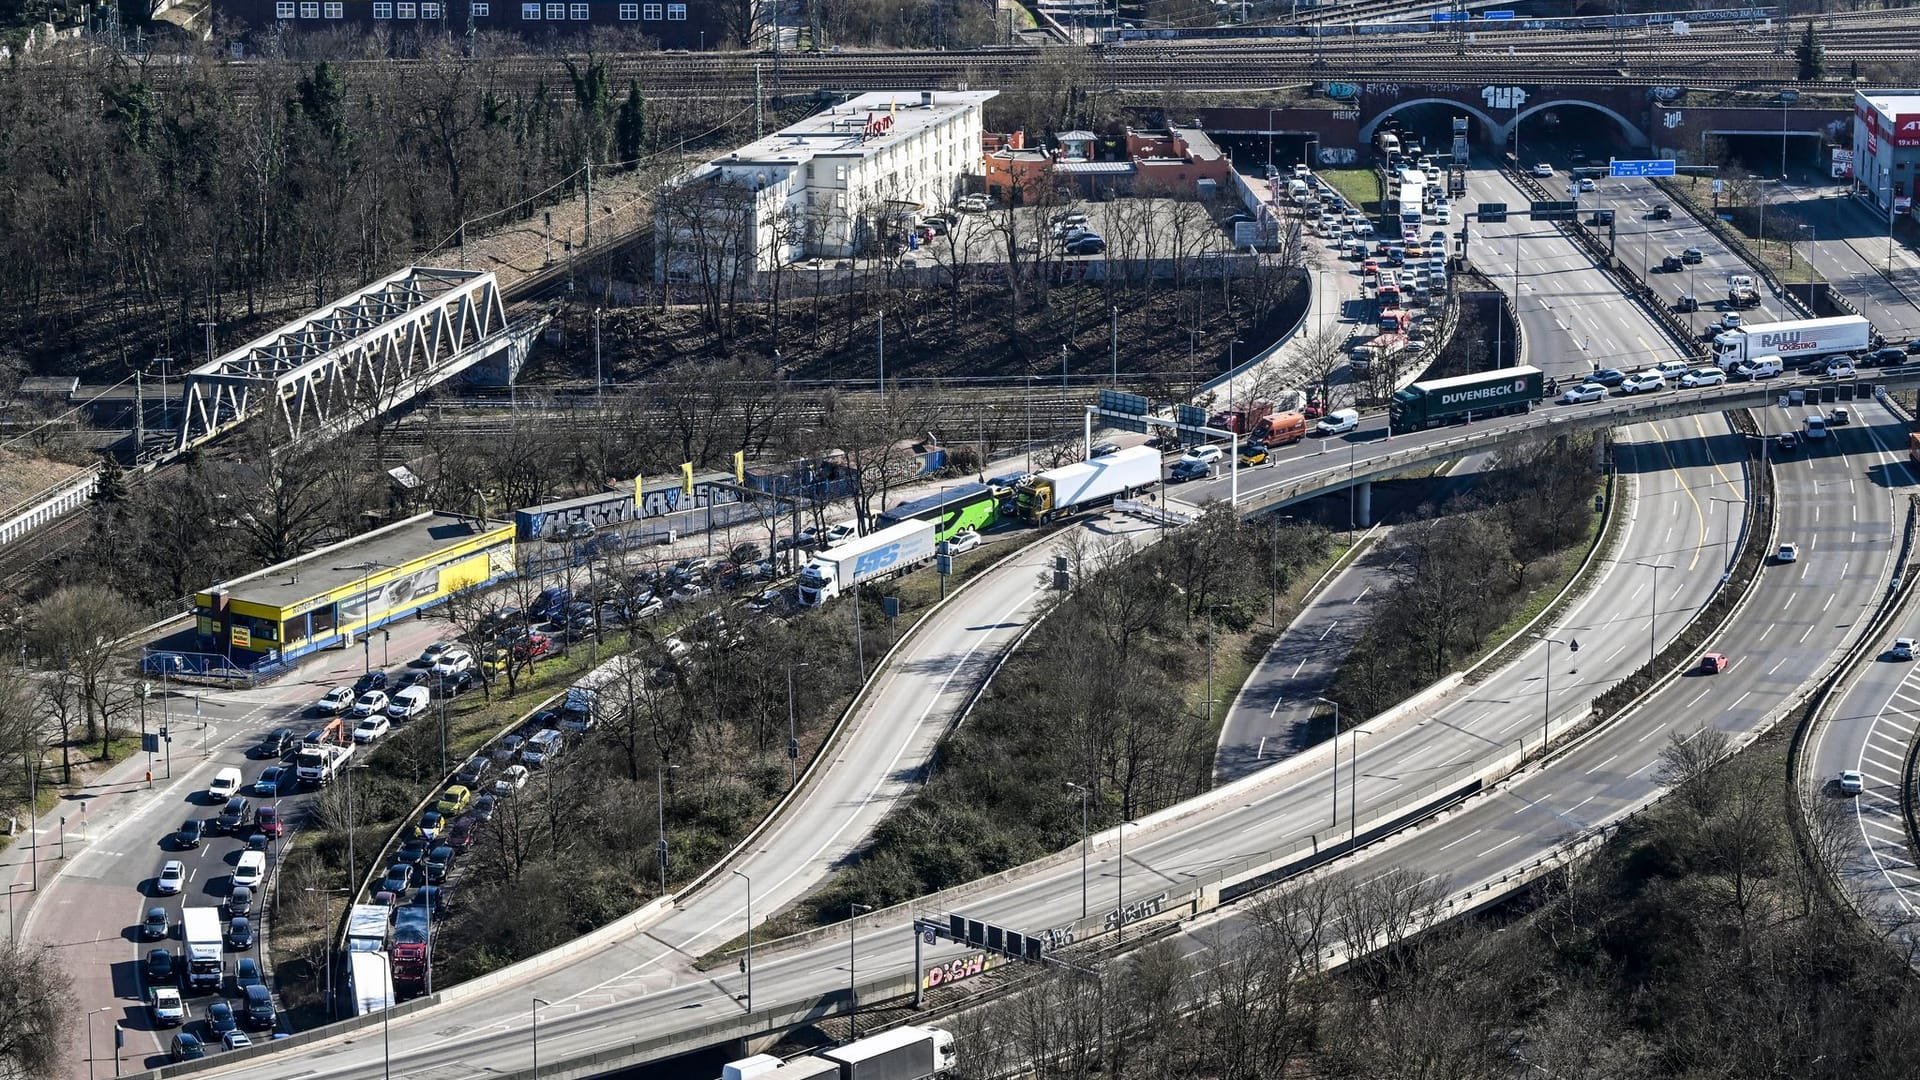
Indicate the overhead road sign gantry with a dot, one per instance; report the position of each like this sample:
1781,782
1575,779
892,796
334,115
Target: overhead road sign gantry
1645,167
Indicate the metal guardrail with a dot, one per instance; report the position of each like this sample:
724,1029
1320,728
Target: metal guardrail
49,503
1735,243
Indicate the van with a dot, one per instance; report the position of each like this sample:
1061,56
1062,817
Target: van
1760,367
1297,190
1816,427
542,748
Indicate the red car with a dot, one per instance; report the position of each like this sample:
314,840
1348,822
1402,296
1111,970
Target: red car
533,646
267,820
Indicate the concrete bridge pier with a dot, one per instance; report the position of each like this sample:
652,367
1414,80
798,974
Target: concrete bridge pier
1360,504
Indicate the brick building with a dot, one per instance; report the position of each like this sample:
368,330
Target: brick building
685,24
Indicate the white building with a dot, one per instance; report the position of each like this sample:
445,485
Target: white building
1886,147
836,184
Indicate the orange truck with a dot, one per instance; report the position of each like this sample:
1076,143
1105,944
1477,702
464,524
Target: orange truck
1281,429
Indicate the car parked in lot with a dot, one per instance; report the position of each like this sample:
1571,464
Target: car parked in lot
1706,376
1585,392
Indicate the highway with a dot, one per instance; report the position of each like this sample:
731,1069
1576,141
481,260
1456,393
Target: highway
1673,481
1848,245
1870,729
1643,242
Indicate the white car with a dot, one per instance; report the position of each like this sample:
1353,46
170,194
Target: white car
452,662
1730,321
1338,422
1586,184
972,204
1672,369
173,875
371,728
226,784
1706,376
1583,393
434,652
408,703
836,533
1903,648
512,780
168,1011
964,540
369,703
1642,382
1787,553
335,701
1851,782
1543,169
1840,369
250,869
1205,455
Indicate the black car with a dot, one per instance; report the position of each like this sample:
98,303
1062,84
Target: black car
1661,212
413,853
258,1007
1693,255
240,933
1687,303
159,967
240,901
220,1019
1609,377
154,926
234,814
276,744
1886,356
413,678
399,876
457,683
1087,245
473,771
190,834
372,680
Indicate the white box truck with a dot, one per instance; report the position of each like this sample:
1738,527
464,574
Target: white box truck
864,558
1795,342
904,1053
200,929
369,982
367,927
768,1067
1045,496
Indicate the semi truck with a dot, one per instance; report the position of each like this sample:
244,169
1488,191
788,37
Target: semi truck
1441,401
1795,341
1055,493
200,929
864,558
1740,291
367,928
369,982
969,506
903,1053
412,949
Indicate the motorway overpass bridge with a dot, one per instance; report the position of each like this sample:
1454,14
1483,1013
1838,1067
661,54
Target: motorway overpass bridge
1371,455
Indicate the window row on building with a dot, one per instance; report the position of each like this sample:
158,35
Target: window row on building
568,12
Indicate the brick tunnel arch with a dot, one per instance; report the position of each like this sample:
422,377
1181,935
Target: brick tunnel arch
1631,129
1488,123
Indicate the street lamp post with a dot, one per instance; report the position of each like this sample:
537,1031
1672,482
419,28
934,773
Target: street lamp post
853,995
1336,755
793,739
1726,529
537,1002
12,887
1116,347
90,1016
1546,701
1653,603
1787,97
749,961
1084,840
1120,892
1353,785
327,896
660,803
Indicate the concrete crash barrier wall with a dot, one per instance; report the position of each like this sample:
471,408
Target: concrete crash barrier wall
48,504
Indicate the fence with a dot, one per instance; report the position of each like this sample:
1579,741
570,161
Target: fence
49,503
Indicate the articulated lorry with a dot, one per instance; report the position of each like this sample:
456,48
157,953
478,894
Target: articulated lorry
200,929
903,1053
1442,401
1795,342
891,550
1057,492
369,985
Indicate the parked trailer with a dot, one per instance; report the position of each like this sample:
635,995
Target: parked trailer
1051,494
1440,401
1795,341
969,506
864,558
369,982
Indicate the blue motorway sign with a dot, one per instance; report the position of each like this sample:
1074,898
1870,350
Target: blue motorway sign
1496,15
1449,16
1640,168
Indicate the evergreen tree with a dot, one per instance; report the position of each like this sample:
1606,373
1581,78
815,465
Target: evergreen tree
630,128
1811,54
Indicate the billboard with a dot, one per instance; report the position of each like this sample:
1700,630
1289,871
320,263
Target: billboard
1842,164
1906,129
959,969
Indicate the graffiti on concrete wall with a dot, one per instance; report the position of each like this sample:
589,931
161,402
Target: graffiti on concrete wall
1503,97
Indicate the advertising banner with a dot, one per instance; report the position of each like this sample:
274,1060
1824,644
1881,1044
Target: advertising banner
1906,129
1842,164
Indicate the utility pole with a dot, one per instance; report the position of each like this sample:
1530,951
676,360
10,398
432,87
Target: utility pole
759,122
588,238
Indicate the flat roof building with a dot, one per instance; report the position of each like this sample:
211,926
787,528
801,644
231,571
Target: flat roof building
1886,147
840,183
329,596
